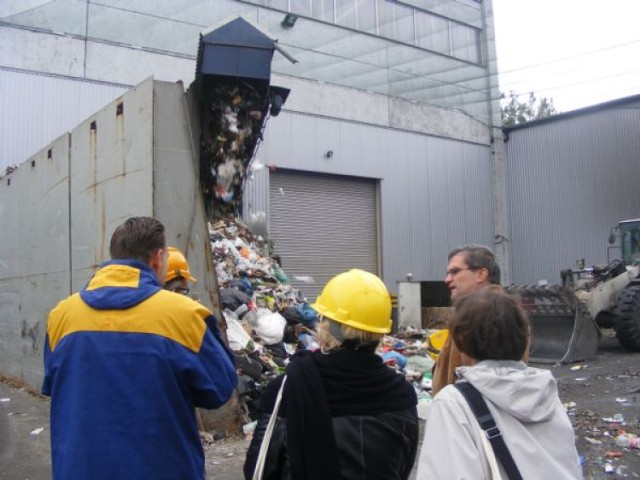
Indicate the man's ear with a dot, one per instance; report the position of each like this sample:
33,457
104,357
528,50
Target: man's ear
483,275
155,261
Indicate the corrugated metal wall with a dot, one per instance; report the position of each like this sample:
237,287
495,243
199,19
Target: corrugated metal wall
570,180
435,194
62,103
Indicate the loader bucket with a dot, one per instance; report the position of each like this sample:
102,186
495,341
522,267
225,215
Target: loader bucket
563,337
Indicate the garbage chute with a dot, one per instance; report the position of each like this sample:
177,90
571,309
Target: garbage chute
233,75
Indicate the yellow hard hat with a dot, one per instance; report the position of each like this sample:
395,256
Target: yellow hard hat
177,266
436,342
358,299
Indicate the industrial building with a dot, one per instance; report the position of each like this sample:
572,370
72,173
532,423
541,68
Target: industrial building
388,151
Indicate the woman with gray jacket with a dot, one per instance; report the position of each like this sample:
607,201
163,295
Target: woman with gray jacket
492,330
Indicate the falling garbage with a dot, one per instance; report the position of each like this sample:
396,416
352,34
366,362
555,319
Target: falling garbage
233,74
235,98
267,318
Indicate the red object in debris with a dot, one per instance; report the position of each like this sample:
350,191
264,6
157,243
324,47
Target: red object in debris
613,454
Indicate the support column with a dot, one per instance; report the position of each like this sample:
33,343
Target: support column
502,230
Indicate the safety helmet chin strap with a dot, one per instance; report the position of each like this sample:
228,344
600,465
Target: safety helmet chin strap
349,343
335,330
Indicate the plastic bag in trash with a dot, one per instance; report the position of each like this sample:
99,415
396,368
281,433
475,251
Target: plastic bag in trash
243,284
239,339
232,298
394,358
420,363
308,341
270,328
308,315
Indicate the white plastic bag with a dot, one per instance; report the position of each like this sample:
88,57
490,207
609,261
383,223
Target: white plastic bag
238,337
270,328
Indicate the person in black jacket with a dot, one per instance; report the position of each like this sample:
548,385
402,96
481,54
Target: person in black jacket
344,414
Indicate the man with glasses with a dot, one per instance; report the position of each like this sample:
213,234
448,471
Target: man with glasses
470,269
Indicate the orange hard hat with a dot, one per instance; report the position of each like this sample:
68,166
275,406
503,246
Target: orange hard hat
177,266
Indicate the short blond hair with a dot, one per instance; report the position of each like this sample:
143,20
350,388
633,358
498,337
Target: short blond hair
328,342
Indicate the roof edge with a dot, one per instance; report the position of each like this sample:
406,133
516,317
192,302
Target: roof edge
575,113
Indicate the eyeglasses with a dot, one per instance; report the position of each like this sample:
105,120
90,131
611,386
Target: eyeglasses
456,270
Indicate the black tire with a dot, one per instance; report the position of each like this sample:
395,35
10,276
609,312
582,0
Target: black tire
627,318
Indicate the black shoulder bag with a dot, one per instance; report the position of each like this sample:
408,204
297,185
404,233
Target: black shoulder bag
488,426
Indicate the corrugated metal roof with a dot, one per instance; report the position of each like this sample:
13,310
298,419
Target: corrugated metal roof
632,101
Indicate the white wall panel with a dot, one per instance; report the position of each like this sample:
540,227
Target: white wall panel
111,63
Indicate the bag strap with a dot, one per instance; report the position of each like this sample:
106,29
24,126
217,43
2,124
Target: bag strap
266,440
489,427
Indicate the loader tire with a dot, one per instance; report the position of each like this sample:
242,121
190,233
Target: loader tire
627,318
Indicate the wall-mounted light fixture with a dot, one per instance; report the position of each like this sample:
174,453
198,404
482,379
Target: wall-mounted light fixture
289,20
328,154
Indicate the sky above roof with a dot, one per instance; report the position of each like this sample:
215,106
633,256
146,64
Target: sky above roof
577,52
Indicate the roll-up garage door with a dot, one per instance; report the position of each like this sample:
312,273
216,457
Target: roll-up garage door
322,225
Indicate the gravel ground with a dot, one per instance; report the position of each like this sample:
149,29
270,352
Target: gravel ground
596,392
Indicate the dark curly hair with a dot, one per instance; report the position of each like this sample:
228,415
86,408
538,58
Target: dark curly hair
490,325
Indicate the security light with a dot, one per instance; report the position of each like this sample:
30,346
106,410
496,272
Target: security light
289,20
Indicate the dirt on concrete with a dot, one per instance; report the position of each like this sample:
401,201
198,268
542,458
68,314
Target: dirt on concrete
603,400
602,397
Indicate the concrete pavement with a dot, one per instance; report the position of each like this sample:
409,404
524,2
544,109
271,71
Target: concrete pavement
25,451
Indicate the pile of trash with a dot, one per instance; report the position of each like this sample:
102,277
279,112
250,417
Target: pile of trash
268,319
413,352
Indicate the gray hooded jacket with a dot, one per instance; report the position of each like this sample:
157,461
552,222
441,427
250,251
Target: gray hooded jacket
525,405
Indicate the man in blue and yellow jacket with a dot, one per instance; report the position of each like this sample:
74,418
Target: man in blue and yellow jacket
126,362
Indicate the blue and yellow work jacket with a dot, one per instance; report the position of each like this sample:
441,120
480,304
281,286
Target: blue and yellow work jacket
125,364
